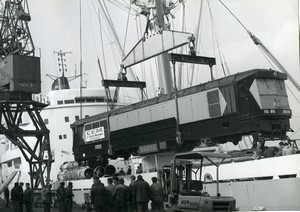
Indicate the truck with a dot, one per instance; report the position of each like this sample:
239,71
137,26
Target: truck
184,184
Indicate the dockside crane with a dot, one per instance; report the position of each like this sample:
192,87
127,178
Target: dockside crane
20,77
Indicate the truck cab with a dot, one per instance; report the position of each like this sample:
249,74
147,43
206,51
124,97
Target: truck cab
186,186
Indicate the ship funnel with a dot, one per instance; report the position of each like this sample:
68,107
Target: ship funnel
60,83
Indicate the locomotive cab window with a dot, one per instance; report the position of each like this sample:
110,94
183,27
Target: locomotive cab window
270,93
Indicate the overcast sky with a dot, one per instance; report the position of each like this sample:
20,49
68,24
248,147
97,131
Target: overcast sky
55,26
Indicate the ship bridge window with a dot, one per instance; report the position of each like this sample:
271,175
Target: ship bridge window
100,99
69,101
79,100
60,102
46,121
90,99
76,118
67,119
64,136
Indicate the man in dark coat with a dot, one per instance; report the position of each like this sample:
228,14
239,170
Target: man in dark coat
129,170
98,195
47,198
16,197
6,196
69,197
121,197
61,197
141,192
156,196
110,190
131,196
21,200
28,198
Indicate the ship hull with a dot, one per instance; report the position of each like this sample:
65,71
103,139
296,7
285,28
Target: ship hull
274,195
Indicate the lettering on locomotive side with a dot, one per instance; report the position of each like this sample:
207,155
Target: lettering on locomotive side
95,131
94,134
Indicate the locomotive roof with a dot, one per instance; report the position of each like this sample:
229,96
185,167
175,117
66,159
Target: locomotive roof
232,79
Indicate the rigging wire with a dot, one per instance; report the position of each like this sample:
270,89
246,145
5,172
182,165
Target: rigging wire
224,67
123,6
293,93
80,41
234,16
126,31
102,45
180,65
93,33
139,35
116,34
97,12
261,47
197,27
299,30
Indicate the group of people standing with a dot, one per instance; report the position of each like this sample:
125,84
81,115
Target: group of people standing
65,197
285,148
118,197
19,197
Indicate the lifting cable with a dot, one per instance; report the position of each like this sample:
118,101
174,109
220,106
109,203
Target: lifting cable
197,27
126,32
80,44
92,28
234,16
138,27
101,38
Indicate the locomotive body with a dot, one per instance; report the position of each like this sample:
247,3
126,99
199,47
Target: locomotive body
251,102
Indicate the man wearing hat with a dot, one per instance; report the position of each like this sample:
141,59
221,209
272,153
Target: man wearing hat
69,197
98,193
141,191
61,197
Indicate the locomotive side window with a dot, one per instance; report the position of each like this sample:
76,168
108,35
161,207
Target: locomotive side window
213,103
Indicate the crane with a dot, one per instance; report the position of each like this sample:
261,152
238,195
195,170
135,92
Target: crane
20,77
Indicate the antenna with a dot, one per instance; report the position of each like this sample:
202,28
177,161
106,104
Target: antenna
62,63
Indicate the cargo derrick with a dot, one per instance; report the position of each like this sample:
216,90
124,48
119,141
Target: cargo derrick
20,78
253,102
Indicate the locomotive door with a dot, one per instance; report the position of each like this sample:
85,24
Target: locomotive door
243,99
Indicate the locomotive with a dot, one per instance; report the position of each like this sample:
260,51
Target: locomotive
253,102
